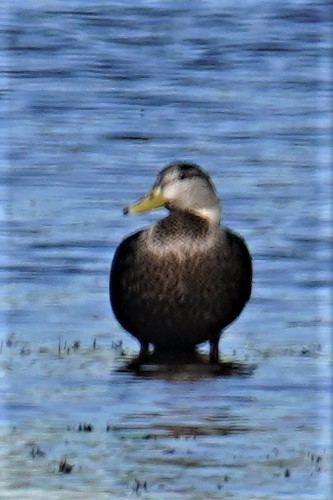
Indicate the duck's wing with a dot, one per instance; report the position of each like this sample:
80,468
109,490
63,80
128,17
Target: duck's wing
237,273
123,276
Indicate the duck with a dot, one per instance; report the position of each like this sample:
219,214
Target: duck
181,281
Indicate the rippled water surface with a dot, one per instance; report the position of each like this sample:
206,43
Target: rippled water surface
98,96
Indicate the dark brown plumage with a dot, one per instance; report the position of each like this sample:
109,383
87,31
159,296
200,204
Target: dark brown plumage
181,281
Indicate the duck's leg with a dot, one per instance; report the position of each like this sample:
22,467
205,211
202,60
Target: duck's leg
214,349
135,364
144,350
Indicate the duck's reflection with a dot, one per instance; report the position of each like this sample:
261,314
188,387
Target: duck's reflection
185,366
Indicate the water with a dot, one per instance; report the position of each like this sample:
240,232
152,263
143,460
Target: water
98,96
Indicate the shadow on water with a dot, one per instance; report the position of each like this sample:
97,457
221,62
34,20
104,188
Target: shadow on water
185,366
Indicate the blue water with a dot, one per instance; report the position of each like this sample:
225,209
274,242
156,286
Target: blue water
97,97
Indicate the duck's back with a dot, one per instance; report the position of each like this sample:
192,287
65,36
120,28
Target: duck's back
180,282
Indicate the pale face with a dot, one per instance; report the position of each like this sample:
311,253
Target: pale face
182,186
189,189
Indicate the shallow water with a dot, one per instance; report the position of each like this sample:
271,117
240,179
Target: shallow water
98,97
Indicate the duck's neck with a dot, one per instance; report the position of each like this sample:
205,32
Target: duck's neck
211,214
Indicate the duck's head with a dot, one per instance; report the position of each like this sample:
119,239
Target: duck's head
181,186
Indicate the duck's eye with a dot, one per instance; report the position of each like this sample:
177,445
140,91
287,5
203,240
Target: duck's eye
181,176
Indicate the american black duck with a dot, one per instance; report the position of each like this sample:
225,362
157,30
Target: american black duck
185,278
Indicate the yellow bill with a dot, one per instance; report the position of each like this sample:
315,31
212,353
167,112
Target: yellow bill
153,199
